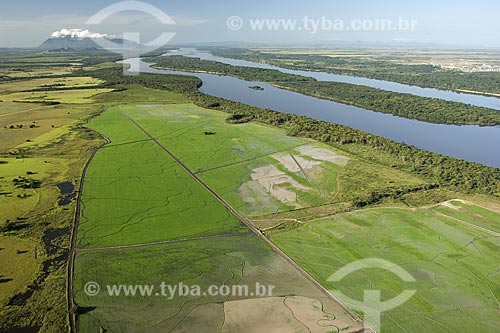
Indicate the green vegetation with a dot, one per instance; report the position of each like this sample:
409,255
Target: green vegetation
458,175
472,214
40,146
157,200
217,262
135,193
16,184
454,265
445,171
47,144
19,266
403,105
260,170
389,70
25,125
31,220
180,127
136,197
19,65
123,94
238,119
73,96
245,73
54,90
266,186
231,261
48,84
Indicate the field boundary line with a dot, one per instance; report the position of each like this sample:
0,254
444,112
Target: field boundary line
491,232
18,112
306,176
172,241
249,159
125,143
354,210
72,250
494,233
255,230
465,202
300,167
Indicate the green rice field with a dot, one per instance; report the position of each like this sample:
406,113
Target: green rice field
455,265
146,221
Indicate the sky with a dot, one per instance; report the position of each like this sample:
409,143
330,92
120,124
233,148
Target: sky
458,23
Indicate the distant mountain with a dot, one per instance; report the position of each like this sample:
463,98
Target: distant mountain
69,43
79,39
76,43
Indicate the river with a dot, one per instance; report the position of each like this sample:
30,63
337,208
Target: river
473,99
472,143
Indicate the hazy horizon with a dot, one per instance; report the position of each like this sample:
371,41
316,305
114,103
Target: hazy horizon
456,24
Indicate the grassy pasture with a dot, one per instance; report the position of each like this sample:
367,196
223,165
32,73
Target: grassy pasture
140,94
12,206
136,194
252,200
26,65
54,83
40,124
76,96
46,71
114,124
218,259
18,268
44,141
363,177
16,108
41,58
32,215
101,66
456,266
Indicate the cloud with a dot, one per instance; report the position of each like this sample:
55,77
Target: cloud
79,33
31,32
188,21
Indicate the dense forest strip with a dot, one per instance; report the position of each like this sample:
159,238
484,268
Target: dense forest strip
443,171
431,110
422,75
214,67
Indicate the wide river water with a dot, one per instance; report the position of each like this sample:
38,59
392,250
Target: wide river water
479,100
472,143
